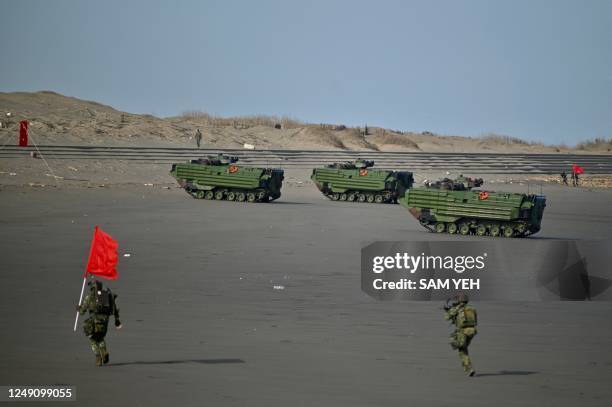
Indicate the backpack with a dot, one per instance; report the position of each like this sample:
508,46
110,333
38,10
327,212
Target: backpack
103,302
467,317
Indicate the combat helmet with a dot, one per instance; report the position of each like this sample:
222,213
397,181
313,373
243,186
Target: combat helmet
462,299
95,285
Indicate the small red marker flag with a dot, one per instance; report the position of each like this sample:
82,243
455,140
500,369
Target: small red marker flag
103,256
23,133
576,169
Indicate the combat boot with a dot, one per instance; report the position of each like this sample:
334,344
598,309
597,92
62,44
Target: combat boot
103,352
98,360
471,373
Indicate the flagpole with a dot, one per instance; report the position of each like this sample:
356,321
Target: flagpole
76,320
93,239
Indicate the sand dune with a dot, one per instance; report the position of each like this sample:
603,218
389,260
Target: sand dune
58,119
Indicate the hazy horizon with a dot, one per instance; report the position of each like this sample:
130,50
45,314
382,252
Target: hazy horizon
539,71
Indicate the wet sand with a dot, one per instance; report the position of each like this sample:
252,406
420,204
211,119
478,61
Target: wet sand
203,324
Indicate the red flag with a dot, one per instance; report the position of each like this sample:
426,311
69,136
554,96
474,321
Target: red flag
103,256
23,133
576,169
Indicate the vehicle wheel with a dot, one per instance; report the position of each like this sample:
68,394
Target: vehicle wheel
521,228
219,195
251,197
452,228
440,227
350,197
209,195
261,196
495,230
508,231
335,197
240,197
379,199
199,194
361,197
464,229
370,198
481,230
231,196
343,197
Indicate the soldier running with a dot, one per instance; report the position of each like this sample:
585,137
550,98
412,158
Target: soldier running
463,316
100,303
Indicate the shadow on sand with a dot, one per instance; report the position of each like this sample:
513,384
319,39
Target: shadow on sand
550,238
507,373
176,362
290,203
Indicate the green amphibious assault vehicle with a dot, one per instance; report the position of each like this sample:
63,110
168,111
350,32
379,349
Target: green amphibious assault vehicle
460,210
357,181
221,178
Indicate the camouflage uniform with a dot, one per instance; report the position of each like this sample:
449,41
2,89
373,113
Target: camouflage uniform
100,303
464,317
198,137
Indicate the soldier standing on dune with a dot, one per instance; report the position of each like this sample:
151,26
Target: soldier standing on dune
198,137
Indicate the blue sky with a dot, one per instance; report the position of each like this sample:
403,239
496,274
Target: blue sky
539,70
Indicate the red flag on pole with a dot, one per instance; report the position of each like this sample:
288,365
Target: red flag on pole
576,169
102,261
23,133
103,256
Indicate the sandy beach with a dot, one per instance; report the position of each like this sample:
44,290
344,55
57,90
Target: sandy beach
203,323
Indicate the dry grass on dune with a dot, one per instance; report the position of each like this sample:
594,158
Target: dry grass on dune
395,139
596,144
242,122
333,140
504,140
